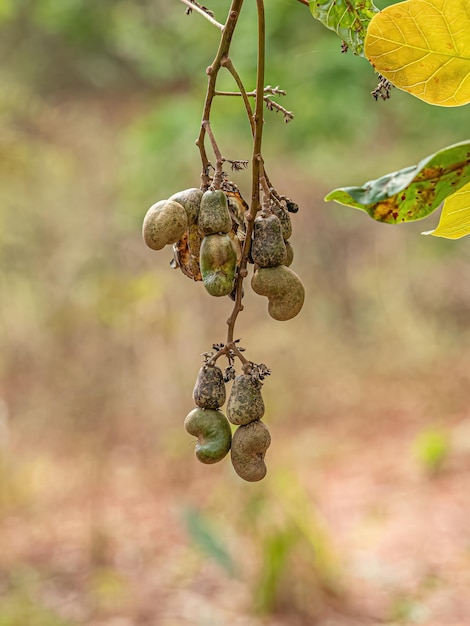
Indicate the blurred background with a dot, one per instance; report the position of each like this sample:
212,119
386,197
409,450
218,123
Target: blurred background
106,518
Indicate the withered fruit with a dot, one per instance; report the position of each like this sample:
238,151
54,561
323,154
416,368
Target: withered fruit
249,445
186,253
214,216
284,218
268,248
245,403
218,262
165,223
283,288
209,390
213,433
190,199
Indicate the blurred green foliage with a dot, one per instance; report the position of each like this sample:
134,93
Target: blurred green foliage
432,448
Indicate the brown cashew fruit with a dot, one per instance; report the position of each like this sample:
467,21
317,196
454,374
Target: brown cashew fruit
209,390
268,248
190,199
249,445
285,220
213,432
245,403
283,288
289,254
218,263
165,223
214,216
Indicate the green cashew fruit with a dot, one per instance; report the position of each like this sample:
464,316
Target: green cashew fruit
283,288
285,220
214,216
289,254
249,445
213,432
268,248
245,403
165,223
218,263
209,391
190,199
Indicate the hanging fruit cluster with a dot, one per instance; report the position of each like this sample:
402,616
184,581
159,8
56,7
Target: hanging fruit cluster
211,235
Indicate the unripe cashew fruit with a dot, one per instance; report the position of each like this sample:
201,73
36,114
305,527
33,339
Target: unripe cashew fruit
285,220
249,445
218,262
214,216
289,254
245,403
283,288
190,199
213,433
165,223
209,390
268,248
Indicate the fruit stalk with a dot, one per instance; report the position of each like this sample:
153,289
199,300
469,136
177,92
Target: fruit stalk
256,172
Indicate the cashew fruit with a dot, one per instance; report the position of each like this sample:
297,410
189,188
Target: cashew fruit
209,390
289,254
268,248
214,216
190,199
165,223
285,220
245,403
213,433
249,445
283,288
218,262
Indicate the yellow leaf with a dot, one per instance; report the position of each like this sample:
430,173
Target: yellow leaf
455,216
423,47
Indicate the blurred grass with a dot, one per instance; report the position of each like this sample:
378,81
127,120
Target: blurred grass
100,339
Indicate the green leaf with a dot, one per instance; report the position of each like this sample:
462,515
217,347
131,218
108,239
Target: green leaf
413,192
348,18
207,539
455,216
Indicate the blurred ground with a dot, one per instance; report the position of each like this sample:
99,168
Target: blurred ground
106,518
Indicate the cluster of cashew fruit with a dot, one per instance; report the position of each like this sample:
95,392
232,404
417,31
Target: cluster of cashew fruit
208,233
245,408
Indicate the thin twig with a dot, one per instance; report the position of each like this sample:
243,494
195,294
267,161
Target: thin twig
197,8
217,181
212,71
227,63
274,91
271,105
